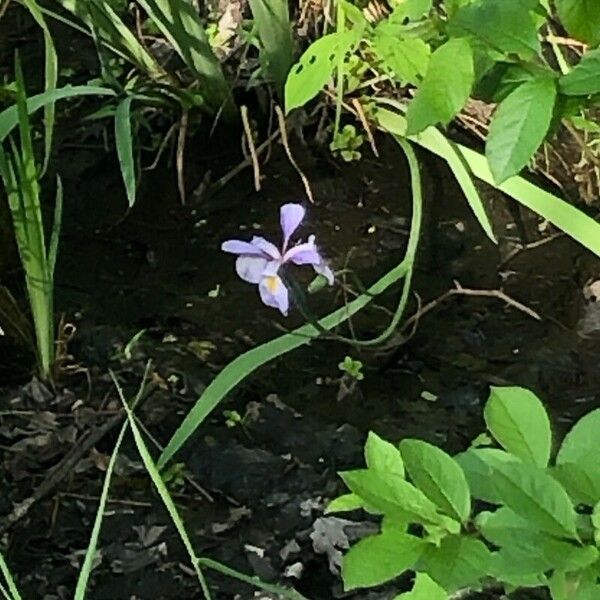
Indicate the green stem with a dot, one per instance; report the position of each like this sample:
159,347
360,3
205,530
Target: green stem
340,27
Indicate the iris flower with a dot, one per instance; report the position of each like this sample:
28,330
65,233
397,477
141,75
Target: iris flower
259,261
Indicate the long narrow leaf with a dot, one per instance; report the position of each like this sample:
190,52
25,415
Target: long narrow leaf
9,117
12,588
272,21
124,143
90,554
50,73
56,226
561,214
396,124
180,23
162,490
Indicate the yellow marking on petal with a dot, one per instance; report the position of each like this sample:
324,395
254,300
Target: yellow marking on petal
272,283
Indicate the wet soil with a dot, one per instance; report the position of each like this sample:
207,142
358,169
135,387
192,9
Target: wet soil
256,491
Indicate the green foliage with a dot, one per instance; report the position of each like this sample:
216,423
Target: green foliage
584,79
439,97
12,593
531,536
352,367
124,142
347,142
519,126
521,428
581,19
272,21
20,175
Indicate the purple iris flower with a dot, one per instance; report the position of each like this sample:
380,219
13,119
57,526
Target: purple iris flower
259,261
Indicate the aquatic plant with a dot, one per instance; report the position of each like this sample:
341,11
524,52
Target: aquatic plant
259,261
538,525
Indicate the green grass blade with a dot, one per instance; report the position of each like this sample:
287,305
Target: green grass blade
162,490
50,73
56,226
88,561
12,588
179,22
561,214
9,118
124,143
432,137
272,21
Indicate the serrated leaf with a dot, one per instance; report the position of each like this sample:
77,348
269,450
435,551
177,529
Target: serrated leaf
519,126
519,422
581,18
477,465
439,98
383,457
315,67
584,78
537,497
507,26
393,496
457,563
344,503
379,558
424,588
438,476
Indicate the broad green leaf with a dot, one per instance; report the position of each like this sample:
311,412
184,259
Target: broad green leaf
440,97
9,117
407,59
393,496
449,151
581,18
536,496
380,558
438,476
272,21
458,562
410,9
519,126
344,503
315,68
507,26
478,466
383,457
424,588
124,143
584,78
519,422
580,445
581,480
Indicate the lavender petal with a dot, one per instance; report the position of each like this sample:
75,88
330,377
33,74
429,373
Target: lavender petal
267,248
291,216
323,269
303,254
251,268
274,293
240,247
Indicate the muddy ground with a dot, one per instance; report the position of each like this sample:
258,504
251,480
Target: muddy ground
255,492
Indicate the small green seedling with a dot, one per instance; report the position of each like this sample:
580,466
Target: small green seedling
173,476
352,367
233,418
347,142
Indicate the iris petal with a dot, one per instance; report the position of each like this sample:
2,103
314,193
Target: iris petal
323,269
240,247
266,247
251,268
303,254
273,293
291,216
